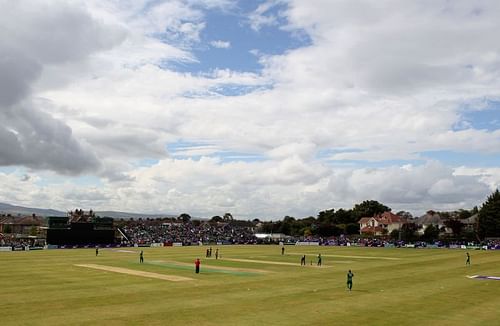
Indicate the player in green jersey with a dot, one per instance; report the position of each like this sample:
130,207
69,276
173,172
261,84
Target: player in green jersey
350,275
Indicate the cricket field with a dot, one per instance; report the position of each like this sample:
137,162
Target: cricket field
249,285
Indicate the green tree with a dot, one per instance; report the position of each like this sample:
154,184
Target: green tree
352,228
343,216
404,214
408,232
216,219
455,225
463,214
184,218
326,216
489,217
394,234
444,215
287,225
277,226
431,233
328,229
369,208
267,227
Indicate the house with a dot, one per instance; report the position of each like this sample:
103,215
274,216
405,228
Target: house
6,222
380,224
430,218
20,224
470,223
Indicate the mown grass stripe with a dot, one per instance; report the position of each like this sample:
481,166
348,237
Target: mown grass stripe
121,270
203,269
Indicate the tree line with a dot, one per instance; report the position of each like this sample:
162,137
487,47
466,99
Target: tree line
329,222
333,222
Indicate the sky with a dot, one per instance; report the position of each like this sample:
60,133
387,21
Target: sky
257,108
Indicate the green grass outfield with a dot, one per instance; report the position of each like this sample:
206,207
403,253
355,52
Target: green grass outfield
250,285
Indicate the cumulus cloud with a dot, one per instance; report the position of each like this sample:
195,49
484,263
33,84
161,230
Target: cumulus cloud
390,72
432,185
378,82
29,42
208,186
35,139
489,176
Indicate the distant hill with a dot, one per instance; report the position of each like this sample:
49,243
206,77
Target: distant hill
20,210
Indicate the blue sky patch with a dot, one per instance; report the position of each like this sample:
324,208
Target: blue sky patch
196,150
228,156
147,162
238,90
243,41
485,118
84,180
470,159
328,153
8,169
373,164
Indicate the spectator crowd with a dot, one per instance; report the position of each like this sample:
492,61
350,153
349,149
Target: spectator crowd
189,233
147,232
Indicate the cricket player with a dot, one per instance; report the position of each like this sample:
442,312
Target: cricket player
350,275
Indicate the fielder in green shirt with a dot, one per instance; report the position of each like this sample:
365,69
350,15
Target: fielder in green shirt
350,275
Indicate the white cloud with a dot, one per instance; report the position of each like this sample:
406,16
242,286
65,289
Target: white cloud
219,44
413,188
380,81
295,187
29,42
489,176
262,16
